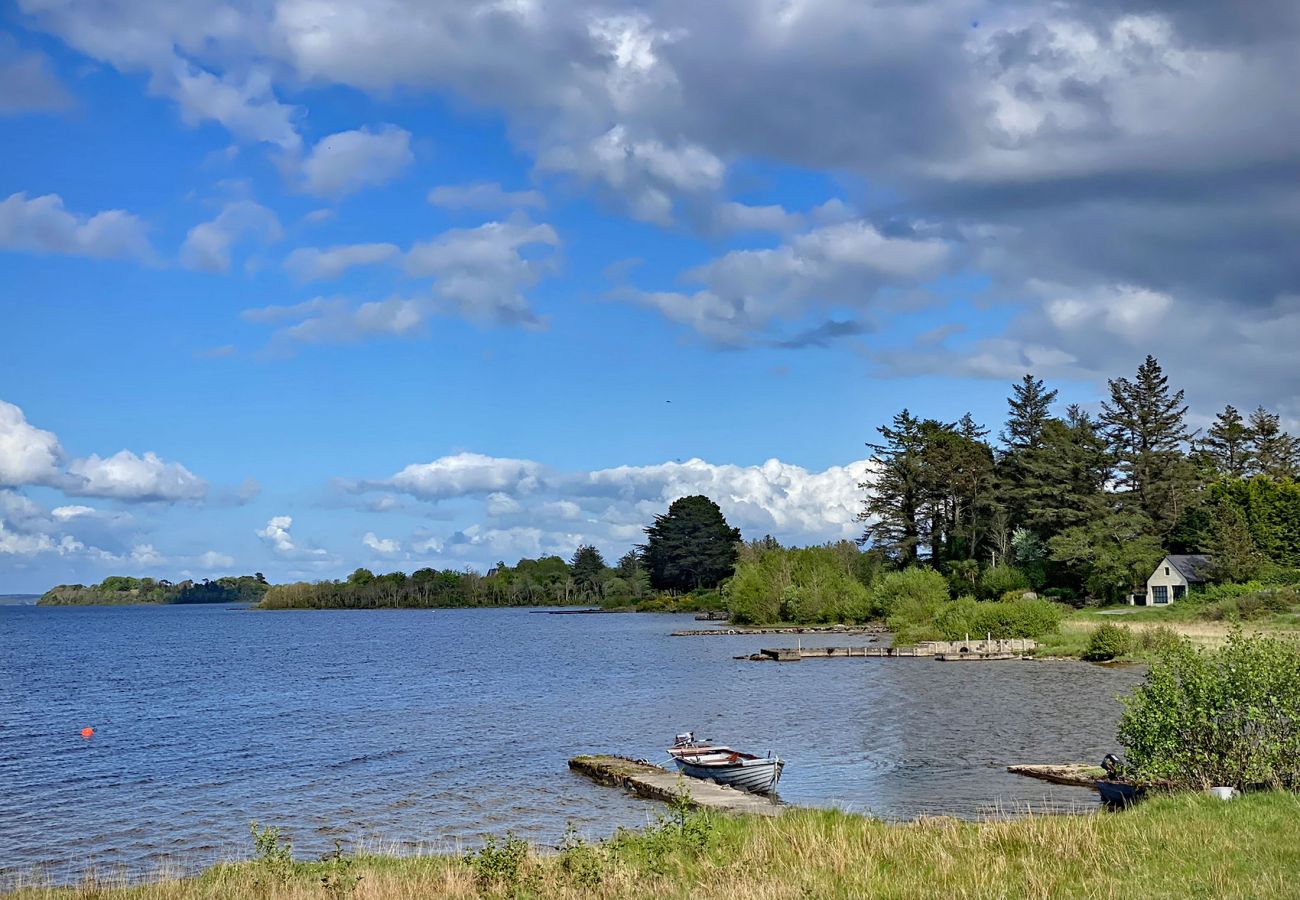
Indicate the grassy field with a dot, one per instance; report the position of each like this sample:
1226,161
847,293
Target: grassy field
1170,847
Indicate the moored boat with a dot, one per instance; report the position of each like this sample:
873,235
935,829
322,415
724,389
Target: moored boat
723,765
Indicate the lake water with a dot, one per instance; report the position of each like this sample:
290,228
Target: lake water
426,729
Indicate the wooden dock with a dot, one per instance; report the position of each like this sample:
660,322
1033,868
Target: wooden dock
657,783
944,651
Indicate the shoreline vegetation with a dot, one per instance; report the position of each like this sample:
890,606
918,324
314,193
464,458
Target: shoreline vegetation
1176,846
122,590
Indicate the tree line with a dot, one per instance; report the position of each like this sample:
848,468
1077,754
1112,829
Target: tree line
123,589
688,548
1081,505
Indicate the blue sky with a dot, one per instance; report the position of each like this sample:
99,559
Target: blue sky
290,288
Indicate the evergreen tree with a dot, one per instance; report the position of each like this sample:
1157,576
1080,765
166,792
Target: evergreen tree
1030,407
586,569
1145,431
958,490
895,493
691,546
1273,452
1235,557
1060,483
1228,443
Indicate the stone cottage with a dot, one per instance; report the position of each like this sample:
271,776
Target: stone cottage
1171,579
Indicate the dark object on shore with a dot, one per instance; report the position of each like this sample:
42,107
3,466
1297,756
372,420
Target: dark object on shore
1115,793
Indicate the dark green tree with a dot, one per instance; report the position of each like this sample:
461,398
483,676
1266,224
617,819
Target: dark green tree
1144,428
587,569
958,485
1273,452
895,490
691,546
1235,557
1029,408
1111,556
1227,442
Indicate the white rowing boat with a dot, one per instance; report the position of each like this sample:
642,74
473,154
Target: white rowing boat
723,765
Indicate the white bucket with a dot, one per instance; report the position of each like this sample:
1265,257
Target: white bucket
1223,793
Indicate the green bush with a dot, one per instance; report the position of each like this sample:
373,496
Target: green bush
1228,717
1109,641
952,620
915,587
499,865
1000,580
1160,639
797,584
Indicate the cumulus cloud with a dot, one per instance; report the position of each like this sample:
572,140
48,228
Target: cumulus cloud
208,245
276,535
484,195
348,161
77,533
28,455
42,225
126,476
382,546
535,509
213,561
317,264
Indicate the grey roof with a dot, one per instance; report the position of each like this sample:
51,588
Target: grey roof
1192,566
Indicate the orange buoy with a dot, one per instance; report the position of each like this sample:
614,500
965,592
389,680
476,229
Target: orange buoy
87,732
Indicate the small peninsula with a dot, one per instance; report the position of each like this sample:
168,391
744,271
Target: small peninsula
122,590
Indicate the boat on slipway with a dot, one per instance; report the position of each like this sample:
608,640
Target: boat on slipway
723,765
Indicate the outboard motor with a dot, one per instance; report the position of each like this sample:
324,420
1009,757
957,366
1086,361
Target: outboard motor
684,739
1111,764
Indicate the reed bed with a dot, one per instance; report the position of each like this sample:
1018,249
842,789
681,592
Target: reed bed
1169,847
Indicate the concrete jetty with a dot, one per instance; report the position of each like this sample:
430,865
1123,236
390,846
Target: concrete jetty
797,629
1008,648
657,783
1074,774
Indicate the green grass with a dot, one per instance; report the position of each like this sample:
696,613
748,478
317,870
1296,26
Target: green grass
1181,846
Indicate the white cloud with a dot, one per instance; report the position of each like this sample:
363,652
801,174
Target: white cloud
65,513
126,476
28,455
146,555
42,225
539,510
462,474
732,217
348,161
481,272
316,264
382,546
247,107
484,195
336,320
648,172
277,536
841,265
212,560
207,246
17,544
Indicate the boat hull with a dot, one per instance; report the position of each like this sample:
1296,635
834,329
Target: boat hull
758,776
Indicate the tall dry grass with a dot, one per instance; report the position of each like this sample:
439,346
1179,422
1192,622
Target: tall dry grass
1170,847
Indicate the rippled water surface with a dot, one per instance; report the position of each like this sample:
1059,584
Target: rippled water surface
425,728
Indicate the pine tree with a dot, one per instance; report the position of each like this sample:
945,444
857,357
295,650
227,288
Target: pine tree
1273,452
1228,443
1145,431
1234,553
895,490
1030,408
1063,481
586,569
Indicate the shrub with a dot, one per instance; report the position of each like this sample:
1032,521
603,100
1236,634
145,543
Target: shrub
499,865
915,587
952,620
1109,641
1226,717
1160,639
808,584
274,855
999,580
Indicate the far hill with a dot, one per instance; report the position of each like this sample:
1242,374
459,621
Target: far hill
121,590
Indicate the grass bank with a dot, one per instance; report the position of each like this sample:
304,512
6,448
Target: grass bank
1178,846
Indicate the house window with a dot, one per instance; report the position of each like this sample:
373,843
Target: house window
1160,593
1180,591
1166,570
